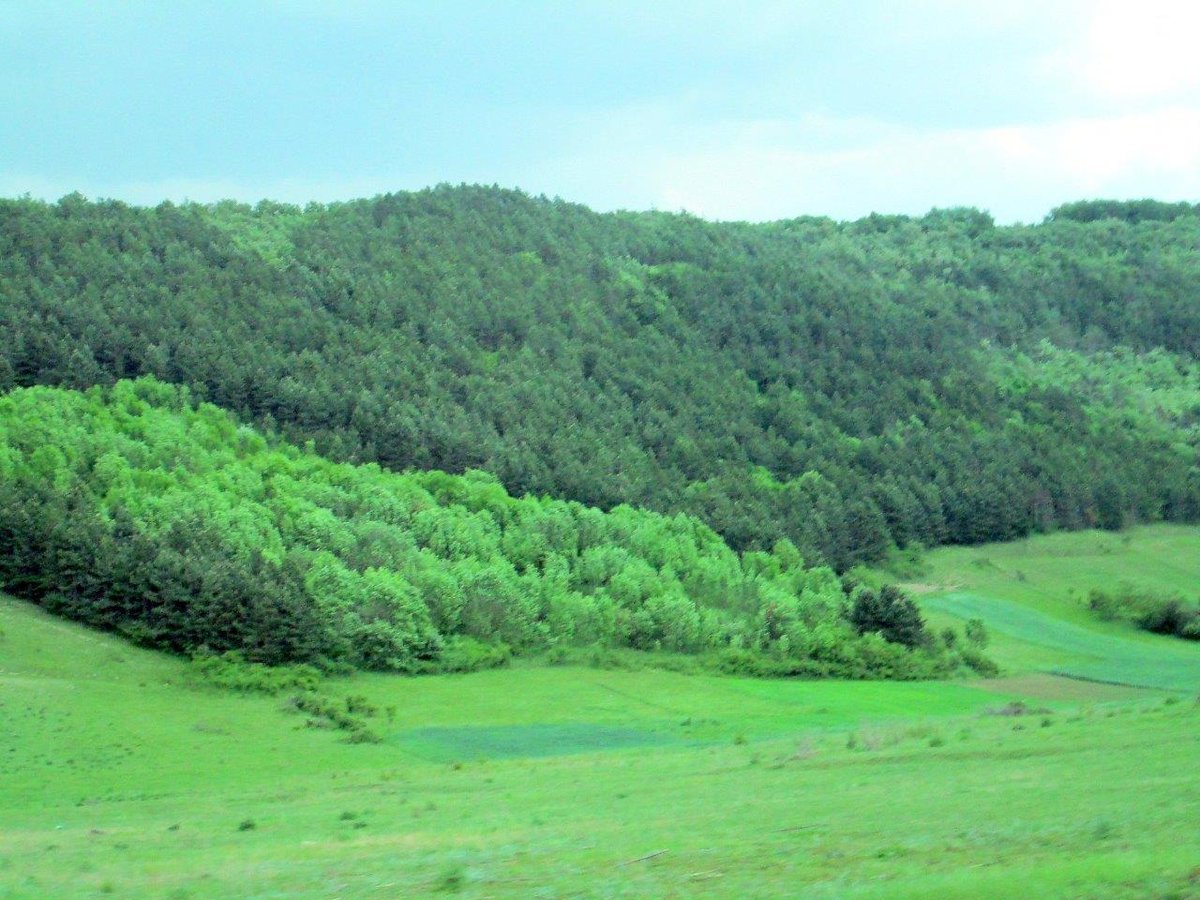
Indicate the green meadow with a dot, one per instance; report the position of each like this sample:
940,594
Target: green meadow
1032,595
1073,774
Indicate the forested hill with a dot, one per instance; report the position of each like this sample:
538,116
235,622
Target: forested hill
136,510
848,386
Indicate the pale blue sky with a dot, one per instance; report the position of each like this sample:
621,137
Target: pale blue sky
750,110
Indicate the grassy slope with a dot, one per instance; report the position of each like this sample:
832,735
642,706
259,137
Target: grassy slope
116,776
1032,595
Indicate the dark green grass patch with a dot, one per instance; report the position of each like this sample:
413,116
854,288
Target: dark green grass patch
513,741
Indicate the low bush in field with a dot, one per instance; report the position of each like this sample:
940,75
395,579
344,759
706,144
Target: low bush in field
349,715
1156,612
872,657
465,654
978,662
231,671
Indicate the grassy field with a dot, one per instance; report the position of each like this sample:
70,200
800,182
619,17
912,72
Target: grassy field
120,775
1032,595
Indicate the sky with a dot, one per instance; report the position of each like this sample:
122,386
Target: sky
751,110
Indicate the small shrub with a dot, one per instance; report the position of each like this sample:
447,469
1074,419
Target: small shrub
750,663
557,656
977,633
870,739
908,564
466,654
920,730
247,825
603,658
231,671
324,712
359,705
362,735
805,749
978,662
452,880
1164,615
1159,613
1105,605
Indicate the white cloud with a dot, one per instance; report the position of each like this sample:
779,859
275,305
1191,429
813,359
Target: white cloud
850,167
1136,51
1093,153
653,156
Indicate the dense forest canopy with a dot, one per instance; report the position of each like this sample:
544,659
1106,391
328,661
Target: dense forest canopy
851,387
134,509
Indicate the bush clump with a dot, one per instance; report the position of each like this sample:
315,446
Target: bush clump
349,715
1152,611
231,671
977,661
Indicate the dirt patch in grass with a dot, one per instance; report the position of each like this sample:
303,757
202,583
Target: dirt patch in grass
921,588
1057,687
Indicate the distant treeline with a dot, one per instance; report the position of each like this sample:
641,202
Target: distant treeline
133,509
852,387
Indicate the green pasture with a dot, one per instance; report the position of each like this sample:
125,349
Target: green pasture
1032,596
122,775
1076,651
1053,573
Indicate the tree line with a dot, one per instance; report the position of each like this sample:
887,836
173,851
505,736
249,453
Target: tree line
138,510
852,387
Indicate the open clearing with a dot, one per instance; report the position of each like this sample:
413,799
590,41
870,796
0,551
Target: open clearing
1032,595
120,776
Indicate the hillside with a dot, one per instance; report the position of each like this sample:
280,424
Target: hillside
123,773
848,386
1033,595
135,509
